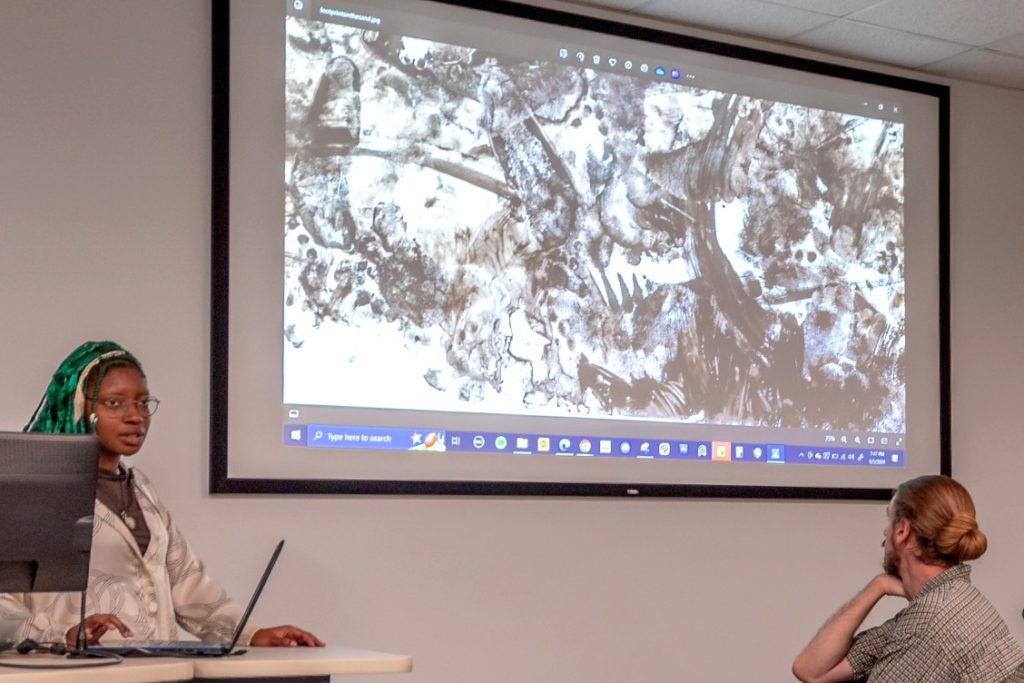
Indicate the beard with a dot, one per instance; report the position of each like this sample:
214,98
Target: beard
890,563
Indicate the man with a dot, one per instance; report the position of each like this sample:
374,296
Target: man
949,631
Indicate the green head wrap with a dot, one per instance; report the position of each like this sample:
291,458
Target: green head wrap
63,406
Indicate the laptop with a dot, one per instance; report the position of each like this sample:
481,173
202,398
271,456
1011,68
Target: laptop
190,648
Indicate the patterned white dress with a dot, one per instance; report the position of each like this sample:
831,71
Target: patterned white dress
152,594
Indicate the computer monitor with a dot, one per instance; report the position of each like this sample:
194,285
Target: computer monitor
47,494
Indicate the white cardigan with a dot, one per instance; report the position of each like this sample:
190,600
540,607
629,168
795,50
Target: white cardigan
151,594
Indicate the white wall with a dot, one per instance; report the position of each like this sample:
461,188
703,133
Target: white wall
104,196
988,329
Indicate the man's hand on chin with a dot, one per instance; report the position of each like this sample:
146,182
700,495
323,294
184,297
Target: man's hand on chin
890,585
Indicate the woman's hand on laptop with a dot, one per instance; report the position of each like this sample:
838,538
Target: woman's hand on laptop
95,626
284,636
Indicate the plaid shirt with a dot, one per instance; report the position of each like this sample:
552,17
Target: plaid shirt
948,633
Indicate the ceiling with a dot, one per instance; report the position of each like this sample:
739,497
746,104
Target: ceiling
971,40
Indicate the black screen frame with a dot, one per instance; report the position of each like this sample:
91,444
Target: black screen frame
221,483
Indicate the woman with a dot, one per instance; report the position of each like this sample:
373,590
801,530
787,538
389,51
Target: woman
144,579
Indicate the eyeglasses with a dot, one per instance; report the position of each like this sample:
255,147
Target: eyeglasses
146,406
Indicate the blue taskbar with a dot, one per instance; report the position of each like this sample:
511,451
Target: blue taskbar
556,445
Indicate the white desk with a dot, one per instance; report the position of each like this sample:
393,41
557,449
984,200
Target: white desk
148,670
258,663
297,662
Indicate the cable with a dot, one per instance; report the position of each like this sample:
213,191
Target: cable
80,639
28,646
94,654
75,665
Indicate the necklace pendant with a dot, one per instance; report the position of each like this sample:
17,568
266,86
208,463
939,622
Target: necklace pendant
128,521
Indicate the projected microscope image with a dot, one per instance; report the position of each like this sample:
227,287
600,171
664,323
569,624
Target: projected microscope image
470,232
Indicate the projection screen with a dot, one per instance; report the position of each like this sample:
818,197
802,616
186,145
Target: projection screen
517,251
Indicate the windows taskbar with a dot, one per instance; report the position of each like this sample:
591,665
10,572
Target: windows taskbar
435,440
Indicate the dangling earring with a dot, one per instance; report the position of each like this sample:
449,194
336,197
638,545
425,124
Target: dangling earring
93,419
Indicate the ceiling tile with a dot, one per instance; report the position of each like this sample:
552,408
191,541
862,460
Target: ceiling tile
863,41
867,31
835,8
750,17
1013,45
973,22
982,66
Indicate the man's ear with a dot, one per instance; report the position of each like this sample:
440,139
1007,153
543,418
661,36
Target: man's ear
903,534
